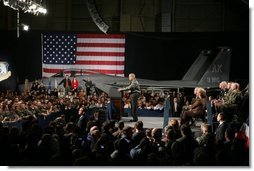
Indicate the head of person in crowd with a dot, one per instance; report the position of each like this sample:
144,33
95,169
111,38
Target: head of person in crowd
196,90
120,125
170,134
206,128
81,111
156,134
96,134
175,100
229,85
106,126
93,128
138,126
185,130
220,117
132,76
201,93
235,86
174,124
223,85
96,115
149,133
127,132
112,126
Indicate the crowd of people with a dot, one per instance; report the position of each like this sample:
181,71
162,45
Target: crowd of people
84,139
229,100
232,100
39,101
154,100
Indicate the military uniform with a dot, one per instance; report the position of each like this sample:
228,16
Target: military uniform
134,89
233,98
231,104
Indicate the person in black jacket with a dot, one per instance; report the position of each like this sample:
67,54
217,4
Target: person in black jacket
66,83
138,133
176,107
89,85
188,143
221,129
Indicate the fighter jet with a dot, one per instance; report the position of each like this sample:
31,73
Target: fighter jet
203,73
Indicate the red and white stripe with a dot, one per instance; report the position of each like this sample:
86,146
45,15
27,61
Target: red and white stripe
95,52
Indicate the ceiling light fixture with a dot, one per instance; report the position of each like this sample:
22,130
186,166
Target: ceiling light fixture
28,6
25,27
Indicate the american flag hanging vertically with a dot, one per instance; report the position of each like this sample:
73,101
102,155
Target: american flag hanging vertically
90,52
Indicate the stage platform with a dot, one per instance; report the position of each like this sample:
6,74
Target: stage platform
149,122
157,122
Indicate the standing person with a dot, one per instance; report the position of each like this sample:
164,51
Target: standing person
83,119
88,84
176,107
221,129
74,85
26,87
66,83
42,88
134,89
35,86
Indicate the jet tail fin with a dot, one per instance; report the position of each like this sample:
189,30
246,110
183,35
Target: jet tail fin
218,70
199,66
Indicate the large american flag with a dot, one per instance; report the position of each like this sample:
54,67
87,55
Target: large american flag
98,53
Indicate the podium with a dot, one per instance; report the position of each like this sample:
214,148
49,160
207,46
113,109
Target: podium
115,97
118,106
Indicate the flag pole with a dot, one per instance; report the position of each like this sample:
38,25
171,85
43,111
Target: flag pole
17,22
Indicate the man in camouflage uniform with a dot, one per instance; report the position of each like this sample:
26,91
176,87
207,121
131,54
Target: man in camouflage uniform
231,101
134,89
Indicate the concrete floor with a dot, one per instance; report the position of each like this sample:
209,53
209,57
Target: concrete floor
149,122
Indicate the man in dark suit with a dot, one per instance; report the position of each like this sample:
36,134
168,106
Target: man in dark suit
66,83
89,85
220,130
176,108
83,119
189,144
138,133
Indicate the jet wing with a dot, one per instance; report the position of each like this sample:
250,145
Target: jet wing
117,82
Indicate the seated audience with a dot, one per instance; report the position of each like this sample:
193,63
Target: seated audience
197,109
38,128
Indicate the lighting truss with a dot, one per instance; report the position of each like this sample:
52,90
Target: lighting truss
28,6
